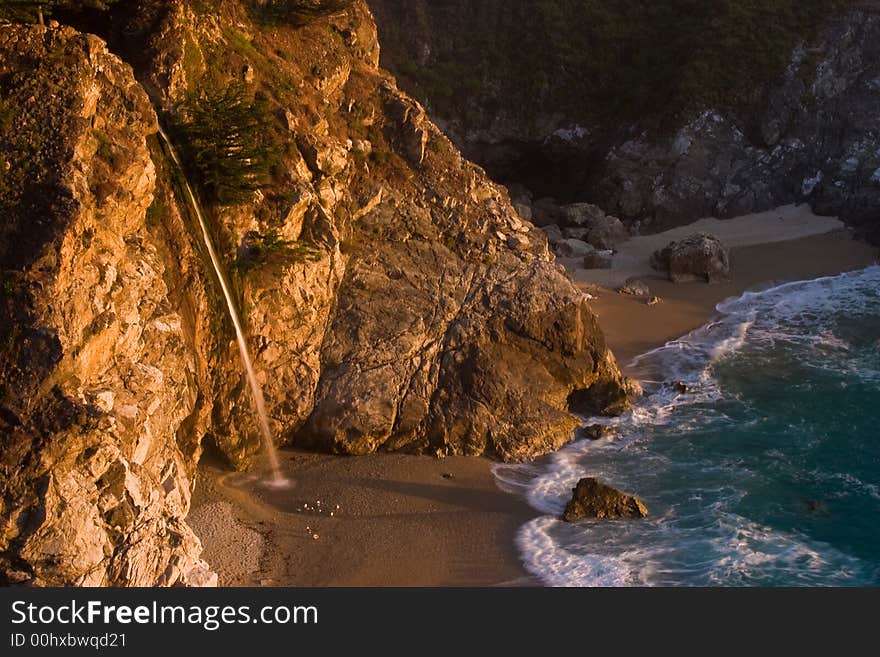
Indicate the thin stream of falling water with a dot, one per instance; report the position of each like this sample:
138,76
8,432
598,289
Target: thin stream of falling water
256,391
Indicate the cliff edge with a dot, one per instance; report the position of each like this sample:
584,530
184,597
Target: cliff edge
394,300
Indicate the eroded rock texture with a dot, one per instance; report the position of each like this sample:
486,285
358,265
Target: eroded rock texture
393,297
95,372
593,499
697,257
428,316
813,137
802,132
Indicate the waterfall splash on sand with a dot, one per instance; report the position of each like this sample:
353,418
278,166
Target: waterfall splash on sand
257,393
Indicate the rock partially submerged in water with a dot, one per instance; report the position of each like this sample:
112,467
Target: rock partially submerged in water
598,431
699,257
593,499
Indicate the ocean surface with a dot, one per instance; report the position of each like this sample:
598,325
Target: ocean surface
766,474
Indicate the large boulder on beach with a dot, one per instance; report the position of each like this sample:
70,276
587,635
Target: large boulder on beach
581,214
545,212
581,221
699,257
593,499
635,287
607,233
597,260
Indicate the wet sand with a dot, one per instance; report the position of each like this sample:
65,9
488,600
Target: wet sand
402,520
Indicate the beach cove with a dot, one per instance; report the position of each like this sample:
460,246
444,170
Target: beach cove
415,520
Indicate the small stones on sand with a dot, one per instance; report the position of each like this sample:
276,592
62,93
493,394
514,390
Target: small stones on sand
653,301
317,507
448,475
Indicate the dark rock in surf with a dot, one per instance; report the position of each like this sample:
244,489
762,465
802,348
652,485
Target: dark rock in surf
593,499
598,431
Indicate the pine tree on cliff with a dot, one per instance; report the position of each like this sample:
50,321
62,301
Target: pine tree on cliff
227,144
34,10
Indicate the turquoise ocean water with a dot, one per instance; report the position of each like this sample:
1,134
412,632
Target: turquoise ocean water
767,473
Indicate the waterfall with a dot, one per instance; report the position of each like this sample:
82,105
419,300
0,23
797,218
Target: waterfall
256,391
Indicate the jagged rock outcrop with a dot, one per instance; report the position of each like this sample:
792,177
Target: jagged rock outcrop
698,257
424,294
393,297
593,499
96,371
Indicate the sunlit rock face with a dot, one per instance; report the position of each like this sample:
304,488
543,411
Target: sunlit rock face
392,296
97,373
412,308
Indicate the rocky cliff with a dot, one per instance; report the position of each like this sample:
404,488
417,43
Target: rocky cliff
659,113
98,378
812,137
393,297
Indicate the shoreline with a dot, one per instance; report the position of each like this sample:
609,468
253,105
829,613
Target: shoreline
420,521
632,327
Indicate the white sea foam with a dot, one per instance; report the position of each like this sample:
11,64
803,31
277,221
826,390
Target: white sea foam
735,551
555,566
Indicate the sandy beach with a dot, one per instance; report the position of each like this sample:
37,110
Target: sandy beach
632,327
378,520
408,520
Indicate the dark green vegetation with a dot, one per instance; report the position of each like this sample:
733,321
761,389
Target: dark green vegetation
227,143
33,10
298,10
271,249
601,60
